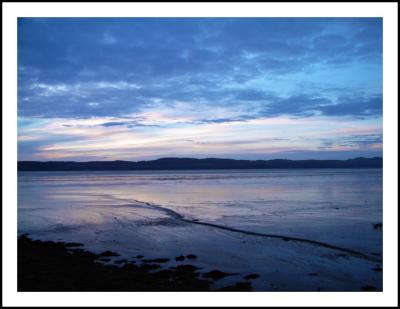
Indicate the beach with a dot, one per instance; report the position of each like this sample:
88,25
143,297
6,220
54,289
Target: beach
265,230
59,266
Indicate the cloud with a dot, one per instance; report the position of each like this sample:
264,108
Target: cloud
78,99
295,105
108,39
355,106
305,105
363,141
121,138
150,49
129,124
164,80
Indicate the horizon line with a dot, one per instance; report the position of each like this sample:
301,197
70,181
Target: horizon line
208,158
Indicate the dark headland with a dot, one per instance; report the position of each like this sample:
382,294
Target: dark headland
195,164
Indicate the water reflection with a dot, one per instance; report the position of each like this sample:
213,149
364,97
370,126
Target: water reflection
327,205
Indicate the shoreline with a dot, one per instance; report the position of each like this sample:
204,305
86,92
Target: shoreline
295,238
49,266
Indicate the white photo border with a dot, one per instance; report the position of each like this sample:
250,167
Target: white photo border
388,11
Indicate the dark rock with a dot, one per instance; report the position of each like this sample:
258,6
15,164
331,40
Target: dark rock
73,244
180,258
238,287
150,266
377,226
105,259
50,266
215,274
139,256
191,256
164,274
121,261
369,288
129,267
161,260
108,253
251,276
186,268
83,254
187,272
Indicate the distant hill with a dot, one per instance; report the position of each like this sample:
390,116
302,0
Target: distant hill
195,164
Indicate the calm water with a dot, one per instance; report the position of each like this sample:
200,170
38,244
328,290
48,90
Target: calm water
140,213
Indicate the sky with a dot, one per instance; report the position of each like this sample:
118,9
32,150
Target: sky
242,88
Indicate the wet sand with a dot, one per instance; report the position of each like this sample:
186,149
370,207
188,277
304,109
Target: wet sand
278,230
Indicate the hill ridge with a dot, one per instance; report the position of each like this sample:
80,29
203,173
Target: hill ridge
176,163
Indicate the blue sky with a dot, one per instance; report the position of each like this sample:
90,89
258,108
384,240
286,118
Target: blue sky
251,88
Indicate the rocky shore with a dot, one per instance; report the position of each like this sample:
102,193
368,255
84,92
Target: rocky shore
59,266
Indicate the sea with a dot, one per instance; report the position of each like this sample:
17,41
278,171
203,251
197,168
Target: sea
298,229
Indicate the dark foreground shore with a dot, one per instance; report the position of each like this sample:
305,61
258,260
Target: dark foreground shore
58,266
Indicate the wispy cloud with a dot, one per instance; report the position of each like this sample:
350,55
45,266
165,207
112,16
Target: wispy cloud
147,87
108,39
124,139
